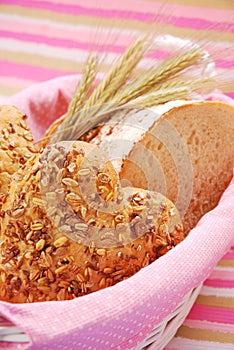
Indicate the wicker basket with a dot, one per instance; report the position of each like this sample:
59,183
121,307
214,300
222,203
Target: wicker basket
184,273
165,330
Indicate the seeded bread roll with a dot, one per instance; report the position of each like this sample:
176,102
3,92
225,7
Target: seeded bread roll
16,145
68,229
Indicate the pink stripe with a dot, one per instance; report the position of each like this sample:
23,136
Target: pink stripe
25,71
74,43
213,326
50,31
222,275
154,7
211,314
196,23
68,43
219,283
230,254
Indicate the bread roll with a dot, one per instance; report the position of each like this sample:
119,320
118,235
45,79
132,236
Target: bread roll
16,145
68,228
182,149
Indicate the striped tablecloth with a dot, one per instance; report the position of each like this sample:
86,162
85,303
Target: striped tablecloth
43,39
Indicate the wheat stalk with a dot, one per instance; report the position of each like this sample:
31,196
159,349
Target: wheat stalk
161,96
166,70
117,77
84,85
82,88
155,86
169,91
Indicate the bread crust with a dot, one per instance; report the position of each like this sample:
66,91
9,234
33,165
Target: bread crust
193,145
16,145
193,172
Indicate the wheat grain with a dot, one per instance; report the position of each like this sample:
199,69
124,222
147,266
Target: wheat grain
169,91
84,85
120,73
116,78
161,96
167,69
80,93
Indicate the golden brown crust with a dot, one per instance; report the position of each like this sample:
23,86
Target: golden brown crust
16,145
60,235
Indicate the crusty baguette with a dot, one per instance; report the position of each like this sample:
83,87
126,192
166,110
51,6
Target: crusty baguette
16,145
187,154
73,230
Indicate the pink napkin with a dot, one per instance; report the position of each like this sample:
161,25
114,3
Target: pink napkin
45,102
121,316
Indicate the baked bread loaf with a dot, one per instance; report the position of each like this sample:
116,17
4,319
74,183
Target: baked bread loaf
182,149
68,229
16,145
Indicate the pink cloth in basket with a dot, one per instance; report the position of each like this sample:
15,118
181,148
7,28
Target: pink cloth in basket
121,316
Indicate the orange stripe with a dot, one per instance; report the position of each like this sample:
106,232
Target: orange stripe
205,335
216,301
43,61
220,4
226,263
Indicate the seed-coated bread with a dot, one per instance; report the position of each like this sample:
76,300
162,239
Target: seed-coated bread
68,229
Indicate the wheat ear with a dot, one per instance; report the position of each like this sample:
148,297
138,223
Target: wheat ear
81,91
170,90
118,76
167,69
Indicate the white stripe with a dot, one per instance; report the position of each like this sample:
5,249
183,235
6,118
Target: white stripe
69,54
224,268
219,292
189,344
15,81
214,326
45,50
61,25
